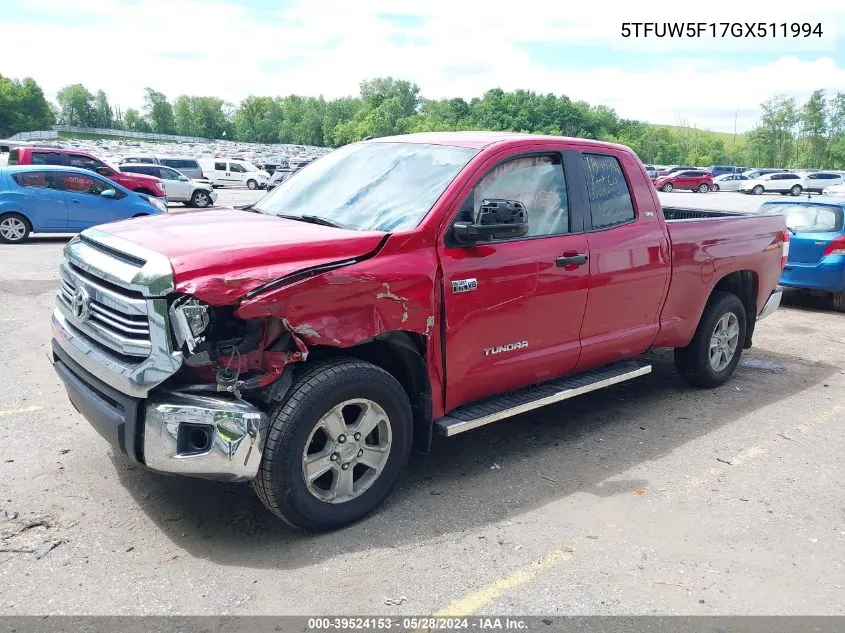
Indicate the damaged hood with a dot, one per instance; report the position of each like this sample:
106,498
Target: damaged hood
220,255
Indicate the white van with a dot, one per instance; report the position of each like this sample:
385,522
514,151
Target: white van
228,172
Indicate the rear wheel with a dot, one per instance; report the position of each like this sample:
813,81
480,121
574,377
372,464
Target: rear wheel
703,188
14,228
200,199
252,184
839,301
336,446
714,352
796,190
758,189
668,187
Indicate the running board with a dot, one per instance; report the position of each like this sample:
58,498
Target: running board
497,408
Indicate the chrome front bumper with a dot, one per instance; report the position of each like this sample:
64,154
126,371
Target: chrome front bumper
772,304
203,436
209,436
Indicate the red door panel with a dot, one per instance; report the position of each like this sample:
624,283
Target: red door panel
629,265
521,297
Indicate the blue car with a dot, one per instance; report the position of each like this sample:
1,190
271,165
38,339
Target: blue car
54,199
816,259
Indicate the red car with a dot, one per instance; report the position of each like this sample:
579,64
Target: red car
395,288
692,179
140,183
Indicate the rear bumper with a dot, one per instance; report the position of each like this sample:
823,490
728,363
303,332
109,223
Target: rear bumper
772,304
212,437
828,275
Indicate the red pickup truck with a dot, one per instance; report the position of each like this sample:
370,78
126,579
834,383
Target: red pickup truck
148,185
394,288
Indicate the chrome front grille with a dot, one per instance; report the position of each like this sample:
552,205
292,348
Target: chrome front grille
112,316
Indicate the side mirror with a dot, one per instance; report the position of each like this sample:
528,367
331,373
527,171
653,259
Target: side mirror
497,219
104,171
183,179
108,193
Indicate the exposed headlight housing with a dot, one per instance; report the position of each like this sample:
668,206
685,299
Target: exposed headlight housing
189,317
158,203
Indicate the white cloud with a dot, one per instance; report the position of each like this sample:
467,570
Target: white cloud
327,47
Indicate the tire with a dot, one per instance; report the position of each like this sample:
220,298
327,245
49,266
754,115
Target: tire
14,228
295,427
252,184
757,190
839,301
796,190
200,199
715,187
703,188
668,187
694,361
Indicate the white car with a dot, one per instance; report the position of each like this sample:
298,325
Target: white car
783,182
177,186
230,172
729,182
834,190
818,181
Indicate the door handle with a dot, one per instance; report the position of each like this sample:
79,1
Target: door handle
75,200
572,260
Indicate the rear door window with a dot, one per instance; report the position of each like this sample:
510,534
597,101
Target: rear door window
85,162
38,179
610,197
49,158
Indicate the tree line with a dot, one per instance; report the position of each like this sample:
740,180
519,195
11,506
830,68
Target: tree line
789,134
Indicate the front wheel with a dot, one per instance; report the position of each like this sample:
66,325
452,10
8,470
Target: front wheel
703,188
200,199
714,352
796,190
758,189
336,446
839,301
14,228
252,184
715,187
667,187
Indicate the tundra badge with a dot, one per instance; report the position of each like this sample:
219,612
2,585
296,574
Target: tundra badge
489,351
464,285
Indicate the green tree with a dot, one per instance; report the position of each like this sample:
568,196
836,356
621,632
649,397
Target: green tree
76,106
259,120
23,107
102,110
813,122
835,130
133,121
407,94
159,112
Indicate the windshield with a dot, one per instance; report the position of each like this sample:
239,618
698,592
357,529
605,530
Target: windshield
370,186
807,218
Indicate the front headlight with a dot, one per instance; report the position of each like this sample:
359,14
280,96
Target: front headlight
158,203
189,319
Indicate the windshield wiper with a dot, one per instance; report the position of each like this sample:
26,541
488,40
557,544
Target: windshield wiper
315,219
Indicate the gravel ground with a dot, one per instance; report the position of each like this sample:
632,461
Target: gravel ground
649,497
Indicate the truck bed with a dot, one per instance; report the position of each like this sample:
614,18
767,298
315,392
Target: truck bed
706,246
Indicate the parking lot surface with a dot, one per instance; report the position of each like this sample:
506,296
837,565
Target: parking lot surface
648,497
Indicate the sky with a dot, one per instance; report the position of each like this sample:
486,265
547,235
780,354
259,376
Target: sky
232,49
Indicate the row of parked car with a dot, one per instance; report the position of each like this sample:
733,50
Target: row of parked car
753,181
